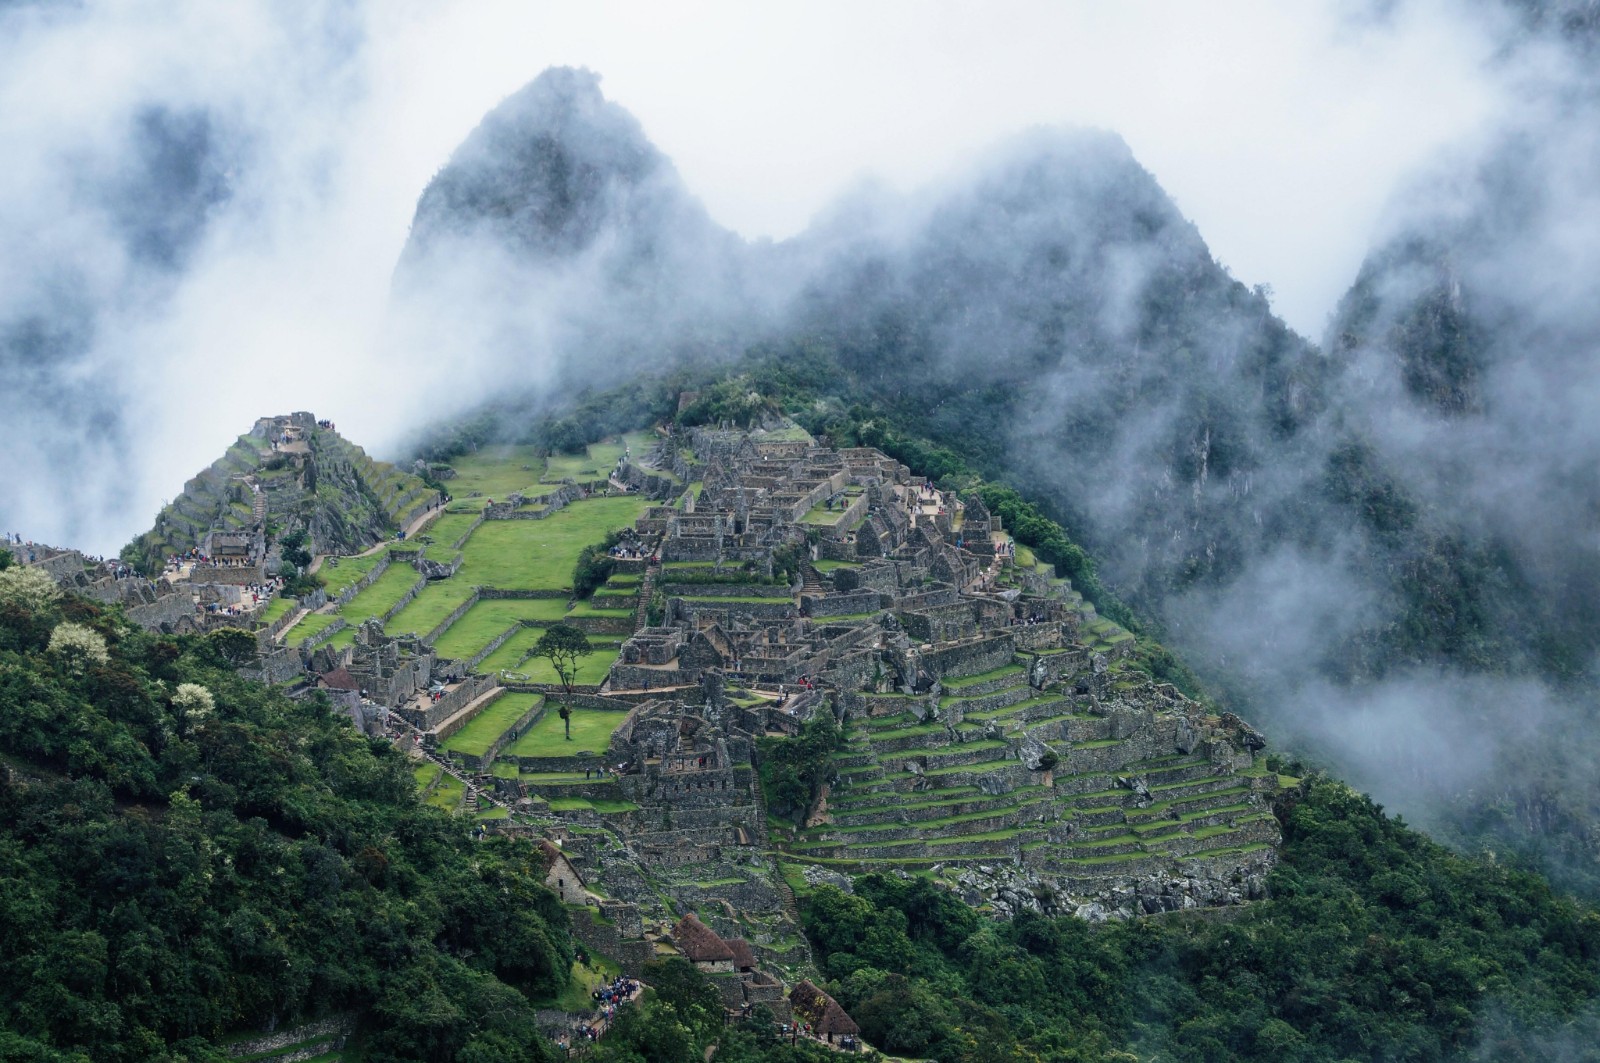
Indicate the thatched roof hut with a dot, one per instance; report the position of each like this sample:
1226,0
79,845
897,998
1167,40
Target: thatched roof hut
828,1020
743,958
699,942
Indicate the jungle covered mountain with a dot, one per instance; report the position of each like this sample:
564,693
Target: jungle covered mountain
185,854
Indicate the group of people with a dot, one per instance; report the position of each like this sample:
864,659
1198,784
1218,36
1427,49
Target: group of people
15,539
607,999
627,552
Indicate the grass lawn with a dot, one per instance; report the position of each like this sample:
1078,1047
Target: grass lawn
578,804
834,566
381,596
340,573
425,774
480,624
540,554
586,978
449,794
309,625
591,732
496,472
591,669
595,463
510,653
449,527
825,517
429,609
275,609
492,722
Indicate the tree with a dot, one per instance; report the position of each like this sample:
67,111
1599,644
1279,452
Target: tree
30,588
78,645
562,645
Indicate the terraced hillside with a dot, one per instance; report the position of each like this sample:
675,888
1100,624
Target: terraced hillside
1113,781
318,481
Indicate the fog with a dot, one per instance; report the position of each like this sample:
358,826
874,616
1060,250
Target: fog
203,204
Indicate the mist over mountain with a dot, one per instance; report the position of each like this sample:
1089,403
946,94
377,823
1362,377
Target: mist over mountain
1383,546
555,234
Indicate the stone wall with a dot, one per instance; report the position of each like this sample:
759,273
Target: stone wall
842,604
164,612
235,575
481,762
335,1029
970,658
432,714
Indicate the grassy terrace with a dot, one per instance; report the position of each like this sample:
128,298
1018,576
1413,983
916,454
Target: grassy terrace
497,472
591,733
276,608
449,793
449,526
966,682
476,737
713,599
308,626
591,669
339,574
430,608
823,517
487,619
511,652
834,566
382,595
591,804
345,636
599,459
540,554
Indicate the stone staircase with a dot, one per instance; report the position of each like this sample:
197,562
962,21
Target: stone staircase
647,587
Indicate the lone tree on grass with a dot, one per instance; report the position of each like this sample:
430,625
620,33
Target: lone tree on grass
562,645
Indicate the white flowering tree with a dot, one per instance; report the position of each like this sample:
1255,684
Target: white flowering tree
78,646
30,588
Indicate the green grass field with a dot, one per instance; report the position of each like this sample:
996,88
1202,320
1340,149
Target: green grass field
449,793
429,609
591,732
510,654
449,527
496,472
540,554
341,573
308,626
275,609
599,459
478,627
476,737
381,596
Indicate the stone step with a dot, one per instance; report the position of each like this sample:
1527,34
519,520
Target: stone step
1181,806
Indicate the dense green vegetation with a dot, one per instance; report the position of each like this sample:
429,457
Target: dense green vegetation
1378,944
177,866
794,771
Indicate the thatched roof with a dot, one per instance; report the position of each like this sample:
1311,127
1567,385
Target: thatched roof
699,942
339,679
821,1011
743,958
